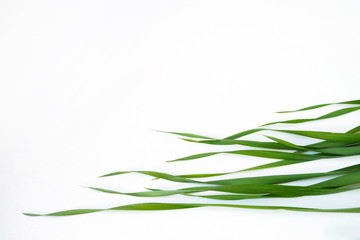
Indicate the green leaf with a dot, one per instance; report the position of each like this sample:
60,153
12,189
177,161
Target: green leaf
288,144
344,180
155,174
271,189
260,153
173,206
191,135
354,130
356,102
345,151
328,115
258,144
328,136
244,133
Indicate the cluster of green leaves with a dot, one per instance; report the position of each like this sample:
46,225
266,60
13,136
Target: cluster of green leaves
332,145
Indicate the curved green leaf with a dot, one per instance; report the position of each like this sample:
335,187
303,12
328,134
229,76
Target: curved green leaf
336,113
355,102
173,206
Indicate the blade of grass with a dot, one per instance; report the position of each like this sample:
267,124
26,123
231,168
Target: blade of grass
172,206
273,189
328,136
341,181
333,114
288,144
355,102
155,174
191,135
258,144
261,153
272,179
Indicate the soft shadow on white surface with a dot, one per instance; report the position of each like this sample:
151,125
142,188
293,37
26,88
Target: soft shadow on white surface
84,82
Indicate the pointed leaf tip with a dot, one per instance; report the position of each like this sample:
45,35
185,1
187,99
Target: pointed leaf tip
31,214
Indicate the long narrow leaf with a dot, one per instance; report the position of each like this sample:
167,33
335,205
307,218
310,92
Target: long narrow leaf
173,206
355,102
273,189
333,114
260,153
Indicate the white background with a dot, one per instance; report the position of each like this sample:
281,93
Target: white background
84,82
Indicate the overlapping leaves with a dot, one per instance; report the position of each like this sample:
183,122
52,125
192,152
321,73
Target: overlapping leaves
332,145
